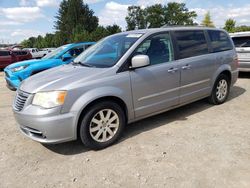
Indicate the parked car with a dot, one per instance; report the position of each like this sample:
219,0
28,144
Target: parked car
242,43
36,54
8,57
17,72
150,71
22,55
48,49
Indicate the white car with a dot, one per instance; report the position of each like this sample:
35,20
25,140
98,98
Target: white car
242,44
48,49
36,54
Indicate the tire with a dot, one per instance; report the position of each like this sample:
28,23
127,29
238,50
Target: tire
102,119
220,90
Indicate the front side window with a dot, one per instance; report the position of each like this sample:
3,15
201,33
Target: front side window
158,48
74,52
191,43
219,41
241,41
55,52
108,51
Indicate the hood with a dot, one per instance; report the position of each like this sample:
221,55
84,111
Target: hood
61,78
30,62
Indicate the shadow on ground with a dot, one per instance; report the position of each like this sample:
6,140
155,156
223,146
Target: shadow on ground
244,75
178,114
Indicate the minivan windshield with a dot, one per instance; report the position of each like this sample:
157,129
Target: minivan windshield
241,41
108,51
55,52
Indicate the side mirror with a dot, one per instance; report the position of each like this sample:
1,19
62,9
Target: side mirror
66,57
140,61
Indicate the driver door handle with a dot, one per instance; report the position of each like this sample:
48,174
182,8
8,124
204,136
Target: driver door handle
172,70
186,67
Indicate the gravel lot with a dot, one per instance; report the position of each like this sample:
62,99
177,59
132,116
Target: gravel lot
198,145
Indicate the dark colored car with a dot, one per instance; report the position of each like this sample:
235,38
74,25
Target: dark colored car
22,55
6,58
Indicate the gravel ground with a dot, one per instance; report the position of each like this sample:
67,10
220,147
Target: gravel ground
198,145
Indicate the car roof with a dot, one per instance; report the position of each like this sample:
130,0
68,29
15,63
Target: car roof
240,34
168,28
82,43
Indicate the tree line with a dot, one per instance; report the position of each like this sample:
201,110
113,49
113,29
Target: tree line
76,22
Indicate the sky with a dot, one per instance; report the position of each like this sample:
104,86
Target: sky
20,19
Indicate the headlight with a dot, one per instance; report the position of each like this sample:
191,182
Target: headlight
49,99
16,69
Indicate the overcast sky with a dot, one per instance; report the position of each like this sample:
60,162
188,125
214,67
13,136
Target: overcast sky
20,19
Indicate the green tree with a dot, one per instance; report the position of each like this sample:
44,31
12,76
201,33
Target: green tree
158,15
29,43
178,14
74,15
230,25
242,28
135,18
155,16
207,20
112,29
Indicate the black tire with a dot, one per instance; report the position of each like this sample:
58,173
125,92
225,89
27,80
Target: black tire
85,135
213,98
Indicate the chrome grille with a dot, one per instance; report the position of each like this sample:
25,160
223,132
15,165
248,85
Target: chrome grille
20,100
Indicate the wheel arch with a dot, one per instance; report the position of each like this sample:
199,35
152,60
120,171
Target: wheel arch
112,98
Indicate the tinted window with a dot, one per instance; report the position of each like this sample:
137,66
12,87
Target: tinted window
158,48
24,53
191,43
76,51
241,41
108,51
4,53
219,41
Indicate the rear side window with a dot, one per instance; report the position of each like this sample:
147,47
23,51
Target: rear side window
4,53
24,53
191,43
219,41
241,41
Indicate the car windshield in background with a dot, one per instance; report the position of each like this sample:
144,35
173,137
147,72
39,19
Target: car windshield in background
108,51
54,53
241,41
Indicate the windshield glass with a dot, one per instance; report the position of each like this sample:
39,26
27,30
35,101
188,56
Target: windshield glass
108,51
55,52
241,41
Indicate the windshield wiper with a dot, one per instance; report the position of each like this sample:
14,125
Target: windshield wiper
81,63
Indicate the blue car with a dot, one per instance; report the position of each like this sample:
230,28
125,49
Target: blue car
17,72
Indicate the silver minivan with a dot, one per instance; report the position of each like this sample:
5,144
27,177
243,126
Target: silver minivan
242,44
124,78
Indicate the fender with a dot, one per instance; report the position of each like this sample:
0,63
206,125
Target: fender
223,67
98,93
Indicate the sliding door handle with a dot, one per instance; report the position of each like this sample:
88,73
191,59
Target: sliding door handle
186,67
172,70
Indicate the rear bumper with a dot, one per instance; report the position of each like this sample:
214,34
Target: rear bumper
235,75
244,65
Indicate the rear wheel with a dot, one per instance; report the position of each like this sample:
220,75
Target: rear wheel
102,125
220,90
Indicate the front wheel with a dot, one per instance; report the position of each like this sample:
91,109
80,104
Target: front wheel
102,125
220,90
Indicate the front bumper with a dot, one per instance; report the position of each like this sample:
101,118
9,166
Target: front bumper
46,125
244,65
12,80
